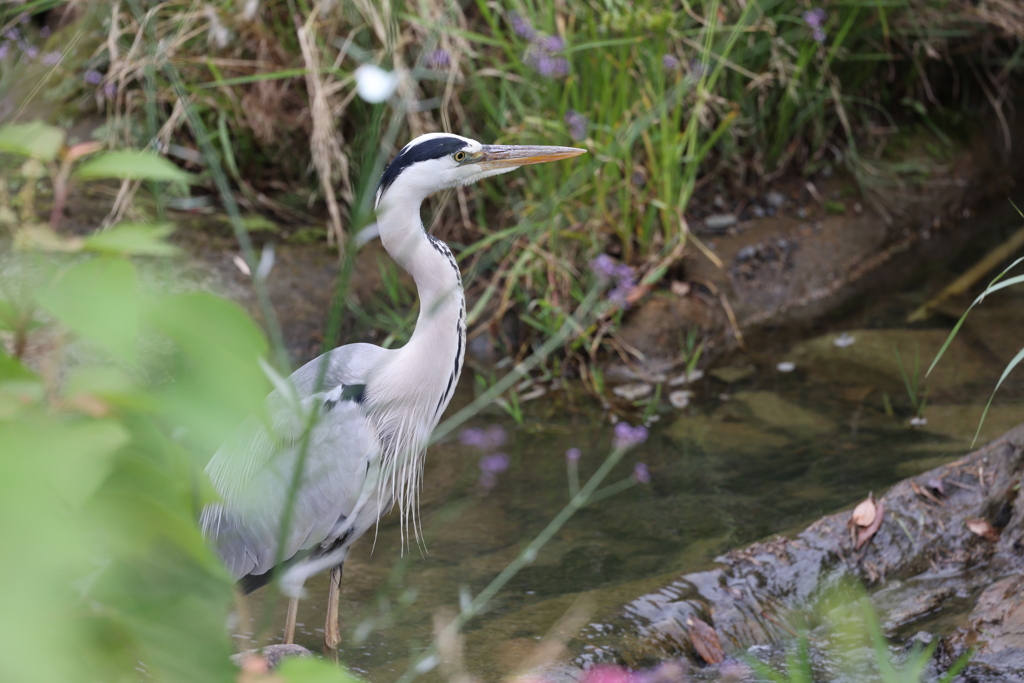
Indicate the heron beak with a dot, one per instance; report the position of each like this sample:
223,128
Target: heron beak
505,156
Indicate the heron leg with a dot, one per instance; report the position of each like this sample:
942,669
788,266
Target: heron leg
289,621
332,633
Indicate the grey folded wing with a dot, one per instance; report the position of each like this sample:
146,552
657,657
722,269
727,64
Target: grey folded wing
255,472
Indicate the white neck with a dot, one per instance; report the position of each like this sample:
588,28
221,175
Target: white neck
414,387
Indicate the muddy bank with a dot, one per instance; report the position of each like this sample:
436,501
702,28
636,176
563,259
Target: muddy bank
947,558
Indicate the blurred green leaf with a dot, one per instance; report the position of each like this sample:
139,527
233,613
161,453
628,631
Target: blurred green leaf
99,300
134,165
37,140
218,380
133,239
12,370
308,670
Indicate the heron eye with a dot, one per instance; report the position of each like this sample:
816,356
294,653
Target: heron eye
459,156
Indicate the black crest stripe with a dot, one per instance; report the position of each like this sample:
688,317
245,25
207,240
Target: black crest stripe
435,148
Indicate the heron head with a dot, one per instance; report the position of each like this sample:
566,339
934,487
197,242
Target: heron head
438,161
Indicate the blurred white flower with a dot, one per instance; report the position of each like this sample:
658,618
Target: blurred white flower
786,366
844,340
374,84
250,9
219,34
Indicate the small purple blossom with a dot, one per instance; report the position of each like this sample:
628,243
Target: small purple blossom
627,436
641,474
12,34
51,58
4,49
109,89
547,65
815,18
439,59
30,51
669,62
23,19
522,26
577,124
44,32
604,265
573,455
551,43
484,439
490,467
93,77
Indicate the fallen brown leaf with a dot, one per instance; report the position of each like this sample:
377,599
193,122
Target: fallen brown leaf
705,641
981,527
864,513
867,533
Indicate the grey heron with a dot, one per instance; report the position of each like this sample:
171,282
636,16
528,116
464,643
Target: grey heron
373,412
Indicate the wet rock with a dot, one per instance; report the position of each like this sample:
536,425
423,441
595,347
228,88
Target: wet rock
924,564
719,222
775,199
659,324
733,373
726,437
775,411
872,360
272,655
961,422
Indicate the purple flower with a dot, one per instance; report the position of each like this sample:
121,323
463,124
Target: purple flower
522,26
109,89
4,49
669,62
12,34
490,467
51,58
496,463
44,32
818,34
439,59
484,439
30,51
23,19
551,43
815,18
641,474
577,124
93,77
573,455
620,295
546,65
604,265
627,436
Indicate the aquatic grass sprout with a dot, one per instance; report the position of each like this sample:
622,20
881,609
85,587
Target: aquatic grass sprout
628,436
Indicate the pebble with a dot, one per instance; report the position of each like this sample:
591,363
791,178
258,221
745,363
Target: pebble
720,221
686,378
775,199
802,212
632,392
758,211
680,399
844,340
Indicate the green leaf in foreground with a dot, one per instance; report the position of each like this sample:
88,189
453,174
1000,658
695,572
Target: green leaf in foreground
133,239
133,165
37,140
